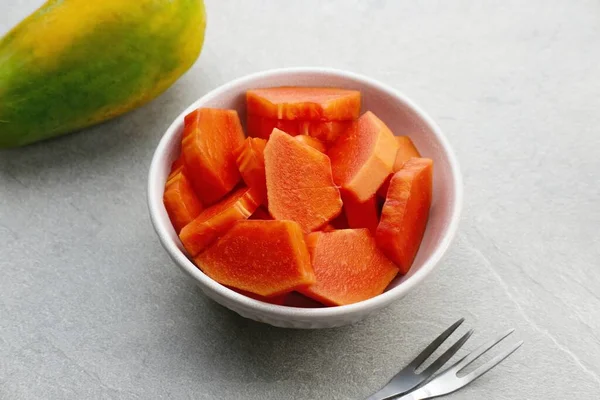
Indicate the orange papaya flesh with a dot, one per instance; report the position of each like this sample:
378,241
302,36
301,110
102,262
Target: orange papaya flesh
359,214
348,267
266,258
327,228
362,158
176,167
180,201
299,183
251,164
217,219
405,212
325,131
312,142
209,153
406,150
304,103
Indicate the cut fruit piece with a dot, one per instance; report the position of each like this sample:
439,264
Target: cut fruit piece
325,131
176,166
406,150
251,164
299,183
209,152
348,267
328,228
304,103
361,214
363,157
278,300
312,142
180,201
216,220
257,126
261,213
405,212
267,258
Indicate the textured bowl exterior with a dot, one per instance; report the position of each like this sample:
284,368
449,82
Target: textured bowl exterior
400,114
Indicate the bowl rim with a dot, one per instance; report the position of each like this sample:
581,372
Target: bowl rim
280,311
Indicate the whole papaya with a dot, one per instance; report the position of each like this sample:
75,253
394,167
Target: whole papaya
75,63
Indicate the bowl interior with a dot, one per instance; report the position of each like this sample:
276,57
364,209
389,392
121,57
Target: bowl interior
402,117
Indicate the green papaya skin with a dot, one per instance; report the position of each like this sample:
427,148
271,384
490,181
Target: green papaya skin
75,63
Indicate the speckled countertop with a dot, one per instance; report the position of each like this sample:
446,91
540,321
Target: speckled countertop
91,307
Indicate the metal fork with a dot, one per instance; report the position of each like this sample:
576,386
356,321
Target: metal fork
448,381
408,379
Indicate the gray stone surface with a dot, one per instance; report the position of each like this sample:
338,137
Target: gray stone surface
92,308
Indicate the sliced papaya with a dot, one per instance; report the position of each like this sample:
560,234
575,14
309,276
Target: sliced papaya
363,157
325,131
405,212
217,219
312,142
267,258
180,201
299,183
361,214
176,166
304,103
348,267
406,150
251,164
257,126
209,153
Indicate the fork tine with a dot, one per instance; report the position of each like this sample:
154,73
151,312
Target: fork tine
471,376
443,359
475,354
420,359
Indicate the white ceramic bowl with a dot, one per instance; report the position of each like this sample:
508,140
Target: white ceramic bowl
400,114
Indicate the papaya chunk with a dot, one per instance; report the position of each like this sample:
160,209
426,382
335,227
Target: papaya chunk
180,201
176,166
217,219
363,157
209,153
251,164
325,131
304,103
406,150
299,183
361,214
348,267
405,212
266,258
312,142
